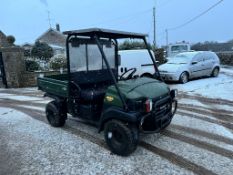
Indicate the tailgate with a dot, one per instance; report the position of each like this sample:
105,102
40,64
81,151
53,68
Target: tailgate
53,86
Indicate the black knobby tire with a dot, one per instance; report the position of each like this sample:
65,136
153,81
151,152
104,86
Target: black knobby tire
55,114
164,127
215,72
184,78
121,139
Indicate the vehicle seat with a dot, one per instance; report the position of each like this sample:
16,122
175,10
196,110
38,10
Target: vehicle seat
92,95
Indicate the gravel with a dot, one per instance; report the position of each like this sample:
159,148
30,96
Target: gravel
201,125
31,146
214,162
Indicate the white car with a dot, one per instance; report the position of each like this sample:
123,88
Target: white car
188,65
139,59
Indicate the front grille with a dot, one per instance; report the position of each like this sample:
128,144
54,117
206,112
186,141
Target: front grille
160,115
162,106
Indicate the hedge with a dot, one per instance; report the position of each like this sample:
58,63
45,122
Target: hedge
226,58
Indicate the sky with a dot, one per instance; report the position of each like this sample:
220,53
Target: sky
28,19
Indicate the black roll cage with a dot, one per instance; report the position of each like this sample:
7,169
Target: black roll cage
96,34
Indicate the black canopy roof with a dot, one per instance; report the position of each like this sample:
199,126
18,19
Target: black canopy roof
105,33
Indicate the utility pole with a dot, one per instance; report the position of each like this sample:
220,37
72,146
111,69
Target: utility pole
166,37
167,47
154,17
49,19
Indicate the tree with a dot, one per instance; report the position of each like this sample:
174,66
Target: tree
58,61
128,45
213,46
230,41
10,39
42,50
31,65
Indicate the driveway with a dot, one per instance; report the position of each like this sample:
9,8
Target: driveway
198,141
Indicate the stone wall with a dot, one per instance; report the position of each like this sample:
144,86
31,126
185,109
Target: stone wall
3,40
15,71
13,60
30,78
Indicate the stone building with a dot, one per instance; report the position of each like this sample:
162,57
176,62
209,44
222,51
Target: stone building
55,39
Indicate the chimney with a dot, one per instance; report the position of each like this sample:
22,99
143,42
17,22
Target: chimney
58,27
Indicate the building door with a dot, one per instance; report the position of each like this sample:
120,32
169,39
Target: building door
3,82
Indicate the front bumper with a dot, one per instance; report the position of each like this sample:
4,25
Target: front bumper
156,122
170,76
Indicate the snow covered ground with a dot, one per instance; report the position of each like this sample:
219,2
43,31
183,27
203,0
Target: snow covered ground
219,87
35,147
198,141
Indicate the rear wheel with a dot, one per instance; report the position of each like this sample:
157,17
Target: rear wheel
184,78
55,114
120,138
215,72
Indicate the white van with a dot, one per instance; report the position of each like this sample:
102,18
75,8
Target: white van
174,49
139,59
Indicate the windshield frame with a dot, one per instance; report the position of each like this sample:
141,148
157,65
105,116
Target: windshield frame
87,43
96,37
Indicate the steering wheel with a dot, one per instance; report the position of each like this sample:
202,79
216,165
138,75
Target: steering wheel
130,75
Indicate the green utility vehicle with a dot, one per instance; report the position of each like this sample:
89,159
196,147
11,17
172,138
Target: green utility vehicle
92,91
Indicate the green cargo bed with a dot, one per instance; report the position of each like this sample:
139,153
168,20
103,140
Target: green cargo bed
56,85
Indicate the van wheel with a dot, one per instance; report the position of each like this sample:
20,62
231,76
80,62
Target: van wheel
215,72
120,138
184,78
56,116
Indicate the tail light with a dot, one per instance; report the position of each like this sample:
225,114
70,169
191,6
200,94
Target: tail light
148,105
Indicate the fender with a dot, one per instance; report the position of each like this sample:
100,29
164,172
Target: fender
58,99
118,114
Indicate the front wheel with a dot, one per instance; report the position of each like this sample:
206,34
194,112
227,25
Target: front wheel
215,72
55,114
120,138
184,78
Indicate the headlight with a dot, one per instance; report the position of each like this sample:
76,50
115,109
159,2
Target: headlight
174,107
148,105
174,93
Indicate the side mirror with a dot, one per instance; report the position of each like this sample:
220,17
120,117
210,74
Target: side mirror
194,62
118,60
122,70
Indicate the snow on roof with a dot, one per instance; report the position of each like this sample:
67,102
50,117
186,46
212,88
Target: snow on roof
189,54
56,46
47,31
